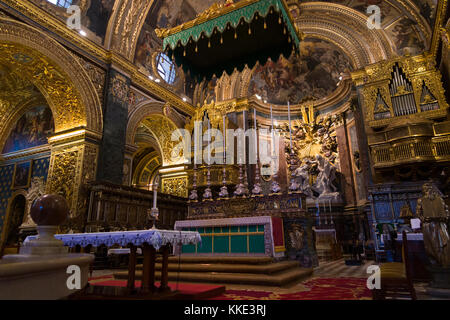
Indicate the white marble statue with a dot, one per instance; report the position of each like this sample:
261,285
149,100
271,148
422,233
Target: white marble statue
326,175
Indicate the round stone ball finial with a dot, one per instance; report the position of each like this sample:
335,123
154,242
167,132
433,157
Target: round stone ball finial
49,210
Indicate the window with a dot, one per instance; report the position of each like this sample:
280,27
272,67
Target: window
166,68
61,3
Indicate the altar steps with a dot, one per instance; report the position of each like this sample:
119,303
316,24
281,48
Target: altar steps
186,258
228,268
260,271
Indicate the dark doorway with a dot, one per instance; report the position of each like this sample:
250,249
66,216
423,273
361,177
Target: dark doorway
17,211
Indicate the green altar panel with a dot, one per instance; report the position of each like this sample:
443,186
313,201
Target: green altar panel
189,248
206,246
239,244
256,244
228,239
221,244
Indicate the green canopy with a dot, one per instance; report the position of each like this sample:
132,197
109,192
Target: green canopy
230,36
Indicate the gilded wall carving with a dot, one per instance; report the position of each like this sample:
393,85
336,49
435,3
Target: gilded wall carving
71,168
119,89
162,128
62,175
130,18
175,186
52,69
96,74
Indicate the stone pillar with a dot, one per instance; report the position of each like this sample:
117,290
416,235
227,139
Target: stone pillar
366,168
345,160
73,164
115,119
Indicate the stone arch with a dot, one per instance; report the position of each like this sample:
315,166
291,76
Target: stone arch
126,26
55,72
160,122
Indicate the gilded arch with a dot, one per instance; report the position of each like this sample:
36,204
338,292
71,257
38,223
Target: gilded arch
160,122
55,72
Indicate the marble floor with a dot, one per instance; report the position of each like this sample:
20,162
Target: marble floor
331,269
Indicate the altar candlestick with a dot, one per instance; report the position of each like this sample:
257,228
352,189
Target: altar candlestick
224,142
243,128
256,130
257,186
290,128
224,190
273,135
155,186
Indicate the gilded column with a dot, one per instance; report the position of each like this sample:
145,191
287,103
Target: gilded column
73,164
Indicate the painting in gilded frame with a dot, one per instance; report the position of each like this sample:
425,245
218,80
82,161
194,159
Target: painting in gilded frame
22,175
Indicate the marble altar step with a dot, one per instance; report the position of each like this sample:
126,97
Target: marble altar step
203,270
186,258
228,267
279,279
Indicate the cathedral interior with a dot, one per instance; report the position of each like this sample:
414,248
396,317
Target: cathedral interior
266,148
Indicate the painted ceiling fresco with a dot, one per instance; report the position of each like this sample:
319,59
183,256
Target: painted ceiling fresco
403,31
314,74
95,15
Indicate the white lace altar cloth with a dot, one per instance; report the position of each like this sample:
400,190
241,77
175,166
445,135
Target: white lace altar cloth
155,238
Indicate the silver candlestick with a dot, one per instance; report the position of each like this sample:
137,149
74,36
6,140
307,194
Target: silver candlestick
256,191
240,187
194,196
153,214
224,189
207,195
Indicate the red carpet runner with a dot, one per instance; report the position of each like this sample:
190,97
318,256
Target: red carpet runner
315,289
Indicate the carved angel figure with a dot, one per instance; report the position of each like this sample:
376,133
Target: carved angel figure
434,215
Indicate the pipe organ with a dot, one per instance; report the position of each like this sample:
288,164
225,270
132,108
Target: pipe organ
402,95
405,112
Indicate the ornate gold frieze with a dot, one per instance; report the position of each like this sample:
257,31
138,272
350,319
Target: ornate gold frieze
96,74
119,89
72,166
62,175
216,111
176,186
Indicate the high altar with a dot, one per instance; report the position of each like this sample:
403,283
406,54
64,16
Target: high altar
356,122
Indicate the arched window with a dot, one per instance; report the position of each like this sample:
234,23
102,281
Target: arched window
166,68
61,3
